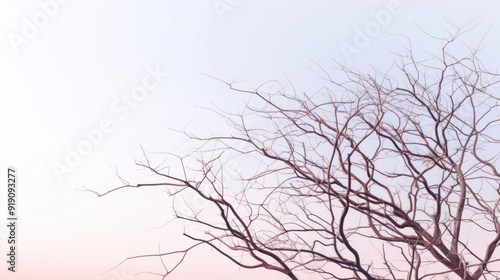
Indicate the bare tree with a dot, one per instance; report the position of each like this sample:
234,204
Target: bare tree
384,175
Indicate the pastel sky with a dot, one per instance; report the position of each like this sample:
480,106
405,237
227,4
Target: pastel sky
67,73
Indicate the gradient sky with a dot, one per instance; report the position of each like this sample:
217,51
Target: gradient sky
68,76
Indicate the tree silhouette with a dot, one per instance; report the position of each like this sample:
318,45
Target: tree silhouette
379,175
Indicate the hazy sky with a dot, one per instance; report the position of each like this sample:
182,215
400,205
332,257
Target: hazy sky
120,73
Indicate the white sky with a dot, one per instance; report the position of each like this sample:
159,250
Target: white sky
65,79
